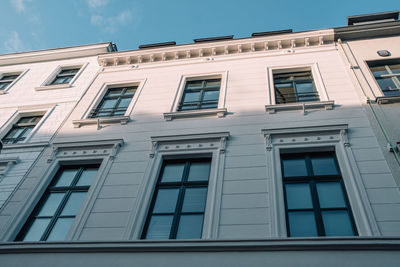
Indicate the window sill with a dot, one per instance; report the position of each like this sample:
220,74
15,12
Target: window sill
219,112
99,121
24,145
52,87
387,99
327,105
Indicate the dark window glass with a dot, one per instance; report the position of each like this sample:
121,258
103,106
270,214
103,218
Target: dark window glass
21,130
294,87
115,102
56,211
387,75
6,80
65,76
179,200
201,94
315,198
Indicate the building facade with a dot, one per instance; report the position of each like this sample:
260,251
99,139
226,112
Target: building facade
226,152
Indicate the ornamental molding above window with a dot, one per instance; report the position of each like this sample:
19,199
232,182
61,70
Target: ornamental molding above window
86,149
189,142
284,43
306,135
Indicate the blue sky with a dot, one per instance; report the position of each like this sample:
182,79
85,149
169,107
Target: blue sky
40,24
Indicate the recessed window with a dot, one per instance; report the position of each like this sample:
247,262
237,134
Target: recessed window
179,200
56,211
6,80
315,197
21,130
115,102
387,75
294,87
64,76
200,94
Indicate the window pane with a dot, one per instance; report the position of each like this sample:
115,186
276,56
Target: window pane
60,229
166,201
108,103
36,230
74,204
66,177
324,166
190,226
302,223
194,84
124,103
173,172
337,223
211,95
306,92
294,167
114,92
204,106
195,200
27,132
191,96
298,196
51,204
330,195
213,83
14,133
199,171
393,68
87,177
130,90
378,71
159,227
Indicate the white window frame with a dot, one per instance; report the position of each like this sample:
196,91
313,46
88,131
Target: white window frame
323,103
220,111
20,74
85,120
310,139
205,145
46,85
101,152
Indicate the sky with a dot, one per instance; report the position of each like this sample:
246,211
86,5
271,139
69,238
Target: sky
28,25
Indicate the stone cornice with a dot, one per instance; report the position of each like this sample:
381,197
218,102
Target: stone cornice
55,54
289,244
283,42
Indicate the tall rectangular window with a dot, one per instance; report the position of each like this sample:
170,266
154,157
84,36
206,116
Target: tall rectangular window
6,80
179,200
64,76
294,87
21,130
200,94
387,75
56,211
315,197
115,102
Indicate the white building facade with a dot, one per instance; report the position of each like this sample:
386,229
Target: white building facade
225,152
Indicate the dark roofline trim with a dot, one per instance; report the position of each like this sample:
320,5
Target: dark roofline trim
147,46
213,39
394,15
257,34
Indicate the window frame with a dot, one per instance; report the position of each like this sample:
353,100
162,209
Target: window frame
395,77
192,146
220,111
316,139
323,103
47,84
16,72
312,180
87,120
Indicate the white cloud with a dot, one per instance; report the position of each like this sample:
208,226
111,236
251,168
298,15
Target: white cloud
14,43
20,5
97,20
97,3
124,17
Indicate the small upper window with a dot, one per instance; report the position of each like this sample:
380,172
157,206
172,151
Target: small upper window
387,75
21,130
115,102
294,87
64,76
200,94
6,80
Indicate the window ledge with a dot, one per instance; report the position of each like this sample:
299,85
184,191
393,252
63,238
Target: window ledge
327,105
99,121
387,99
219,112
24,145
53,87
